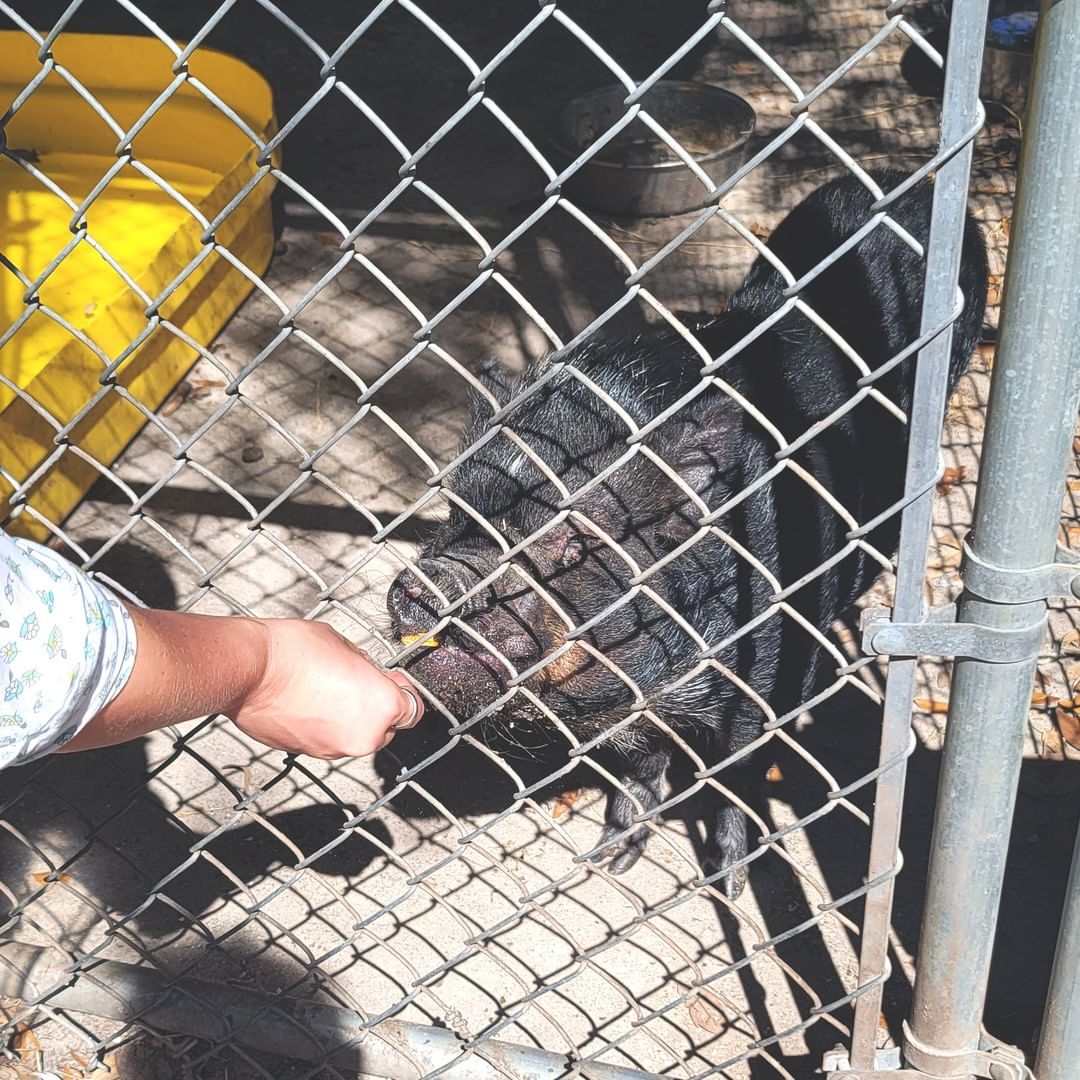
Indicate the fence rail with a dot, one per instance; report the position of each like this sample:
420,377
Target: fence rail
226,910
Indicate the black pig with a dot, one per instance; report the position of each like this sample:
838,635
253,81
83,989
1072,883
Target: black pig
775,531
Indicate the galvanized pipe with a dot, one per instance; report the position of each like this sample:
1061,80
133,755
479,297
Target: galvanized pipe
960,111
275,1024
1059,1042
1032,413
1053,138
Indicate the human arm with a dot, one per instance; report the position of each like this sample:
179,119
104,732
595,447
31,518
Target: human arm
289,684
79,669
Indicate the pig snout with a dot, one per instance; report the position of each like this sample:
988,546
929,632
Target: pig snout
465,670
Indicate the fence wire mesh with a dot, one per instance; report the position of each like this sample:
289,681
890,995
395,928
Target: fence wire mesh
425,227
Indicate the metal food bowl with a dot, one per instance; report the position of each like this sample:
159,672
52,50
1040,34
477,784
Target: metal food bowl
637,174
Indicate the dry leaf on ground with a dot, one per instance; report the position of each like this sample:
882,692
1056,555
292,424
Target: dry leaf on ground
183,392
1050,747
984,356
935,708
47,877
707,1017
950,478
565,803
1069,725
773,775
24,1043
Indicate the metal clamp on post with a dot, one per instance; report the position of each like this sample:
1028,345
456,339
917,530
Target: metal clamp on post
991,1059
941,635
1059,578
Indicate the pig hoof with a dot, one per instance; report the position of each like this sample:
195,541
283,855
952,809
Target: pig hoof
732,882
622,854
624,860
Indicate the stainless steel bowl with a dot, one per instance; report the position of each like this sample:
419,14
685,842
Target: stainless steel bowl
636,174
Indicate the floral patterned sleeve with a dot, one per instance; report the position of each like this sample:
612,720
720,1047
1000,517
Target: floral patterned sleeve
67,647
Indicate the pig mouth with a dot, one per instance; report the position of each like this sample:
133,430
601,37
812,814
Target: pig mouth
476,656
462,668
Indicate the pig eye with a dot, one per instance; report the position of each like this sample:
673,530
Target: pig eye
562,547
573,552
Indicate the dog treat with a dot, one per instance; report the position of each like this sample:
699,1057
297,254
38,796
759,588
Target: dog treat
412,639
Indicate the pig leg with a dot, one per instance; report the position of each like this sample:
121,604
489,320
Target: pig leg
644,779
730,833
730,846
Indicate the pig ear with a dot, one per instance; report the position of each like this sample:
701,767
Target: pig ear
708,444
564,545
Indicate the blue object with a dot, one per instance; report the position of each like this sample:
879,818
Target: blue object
1013,31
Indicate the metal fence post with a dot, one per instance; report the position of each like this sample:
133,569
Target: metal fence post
1059,1043
1055,153
959,120
1032,413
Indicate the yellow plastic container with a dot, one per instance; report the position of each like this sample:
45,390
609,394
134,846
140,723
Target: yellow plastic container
197,150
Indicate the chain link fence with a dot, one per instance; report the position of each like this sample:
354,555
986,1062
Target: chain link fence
197,905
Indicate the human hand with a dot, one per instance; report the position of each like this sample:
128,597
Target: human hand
320,695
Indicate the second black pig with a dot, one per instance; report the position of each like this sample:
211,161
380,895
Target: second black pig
681,621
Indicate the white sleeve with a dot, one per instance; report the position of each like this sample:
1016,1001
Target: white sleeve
67,647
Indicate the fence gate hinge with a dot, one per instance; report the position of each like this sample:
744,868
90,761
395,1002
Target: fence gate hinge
992,1060
1058,578
941,635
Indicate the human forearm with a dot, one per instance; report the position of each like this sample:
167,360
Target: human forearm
290,684
186,666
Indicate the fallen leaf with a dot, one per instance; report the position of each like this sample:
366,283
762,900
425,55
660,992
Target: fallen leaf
107,1070
984,355
183,392
50,878
1076,444
759,231
707,1017
25,1043
207,384
328,239
1070,642
773,775
1069,725
1042,700
1072,536
950,552
935,708
565,803
950,478
1073,483
742,68
1050,748
993,289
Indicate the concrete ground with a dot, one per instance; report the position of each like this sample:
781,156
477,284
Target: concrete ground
415,905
